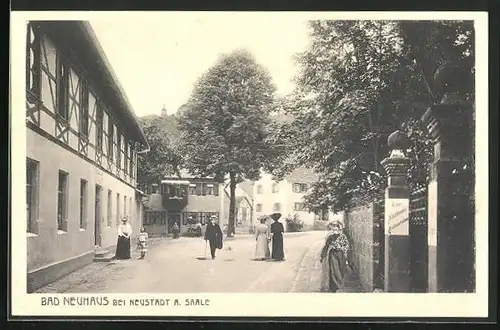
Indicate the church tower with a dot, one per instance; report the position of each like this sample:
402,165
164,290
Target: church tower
164,111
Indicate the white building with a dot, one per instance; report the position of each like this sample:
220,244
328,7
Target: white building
286,196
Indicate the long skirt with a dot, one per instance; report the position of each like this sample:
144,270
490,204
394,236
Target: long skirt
337,270
278,253
123,248
262,248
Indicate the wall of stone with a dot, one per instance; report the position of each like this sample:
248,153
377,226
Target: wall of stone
359,224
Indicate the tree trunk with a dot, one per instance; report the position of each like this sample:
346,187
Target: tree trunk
232,204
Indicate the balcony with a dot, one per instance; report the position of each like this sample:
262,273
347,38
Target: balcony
174,194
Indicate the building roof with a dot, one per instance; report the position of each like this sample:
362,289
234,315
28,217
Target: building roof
303,175
85,49
185,174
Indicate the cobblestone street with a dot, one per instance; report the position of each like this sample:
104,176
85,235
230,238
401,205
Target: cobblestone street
172,266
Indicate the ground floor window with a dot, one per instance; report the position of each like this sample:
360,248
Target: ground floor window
155,218
198,217
62,202
32,184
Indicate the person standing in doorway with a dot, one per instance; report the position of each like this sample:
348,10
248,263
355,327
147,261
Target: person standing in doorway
277,236
123,244
175,230
213,234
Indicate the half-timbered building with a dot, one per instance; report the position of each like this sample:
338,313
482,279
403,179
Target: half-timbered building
82,144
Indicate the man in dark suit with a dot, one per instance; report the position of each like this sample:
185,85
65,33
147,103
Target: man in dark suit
213,234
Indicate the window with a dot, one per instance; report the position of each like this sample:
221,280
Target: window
99,127
83,125
62,202
33,61
117,208
111,134
83,204
32,184
299,207
131,159
258,208
192,189
130,209
259,189
275,188
300,187
110,210
194,218
125,156
209,189
125,205
277,207
63,91
118,150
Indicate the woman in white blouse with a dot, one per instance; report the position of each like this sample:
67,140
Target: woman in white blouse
123,245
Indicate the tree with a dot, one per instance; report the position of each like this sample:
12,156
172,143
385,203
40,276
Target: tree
163,158
358,82
224,124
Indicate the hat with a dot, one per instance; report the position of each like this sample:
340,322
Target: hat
262,218
336,223
213,217
275,216
124,219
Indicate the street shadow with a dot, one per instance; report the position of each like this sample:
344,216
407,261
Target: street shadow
202,258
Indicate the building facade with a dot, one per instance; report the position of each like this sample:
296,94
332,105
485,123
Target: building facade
286,196
243,219
82,144
179,199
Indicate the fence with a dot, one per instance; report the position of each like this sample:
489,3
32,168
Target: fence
418,240
365,231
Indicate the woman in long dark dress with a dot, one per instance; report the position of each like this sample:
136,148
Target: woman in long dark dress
334,258
123,244
277,237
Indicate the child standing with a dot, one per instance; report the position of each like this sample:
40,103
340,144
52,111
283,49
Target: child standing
142,242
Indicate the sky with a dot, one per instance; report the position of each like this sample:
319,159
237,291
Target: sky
158,60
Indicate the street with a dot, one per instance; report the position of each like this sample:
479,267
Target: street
173,266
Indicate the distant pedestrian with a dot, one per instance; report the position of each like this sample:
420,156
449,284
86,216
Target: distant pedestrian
175,230
262,238
334,258
277,231
142,242
213,234
123,244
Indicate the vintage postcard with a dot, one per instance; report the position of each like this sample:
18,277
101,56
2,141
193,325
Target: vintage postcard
249,164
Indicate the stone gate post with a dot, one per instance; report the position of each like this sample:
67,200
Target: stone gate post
450,212
396,225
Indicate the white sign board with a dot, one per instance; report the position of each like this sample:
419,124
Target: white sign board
432,214
397,214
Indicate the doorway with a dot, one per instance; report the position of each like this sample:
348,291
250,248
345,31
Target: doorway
173,218
97,220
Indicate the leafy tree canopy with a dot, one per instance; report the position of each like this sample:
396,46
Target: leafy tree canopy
358,82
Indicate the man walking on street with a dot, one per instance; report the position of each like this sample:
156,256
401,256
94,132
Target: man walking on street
213,234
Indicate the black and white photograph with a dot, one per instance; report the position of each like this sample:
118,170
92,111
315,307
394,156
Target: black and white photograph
176,163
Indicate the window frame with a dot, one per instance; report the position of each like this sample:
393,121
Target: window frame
258,207
32,201
62,198
83,203
277,209
109,219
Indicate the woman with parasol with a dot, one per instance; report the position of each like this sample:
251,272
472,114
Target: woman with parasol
277,237
334,257
262,238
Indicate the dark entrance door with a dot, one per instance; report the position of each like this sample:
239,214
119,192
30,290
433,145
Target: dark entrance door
173,218
97,221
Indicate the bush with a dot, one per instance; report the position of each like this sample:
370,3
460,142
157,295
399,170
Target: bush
320,225
294,224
